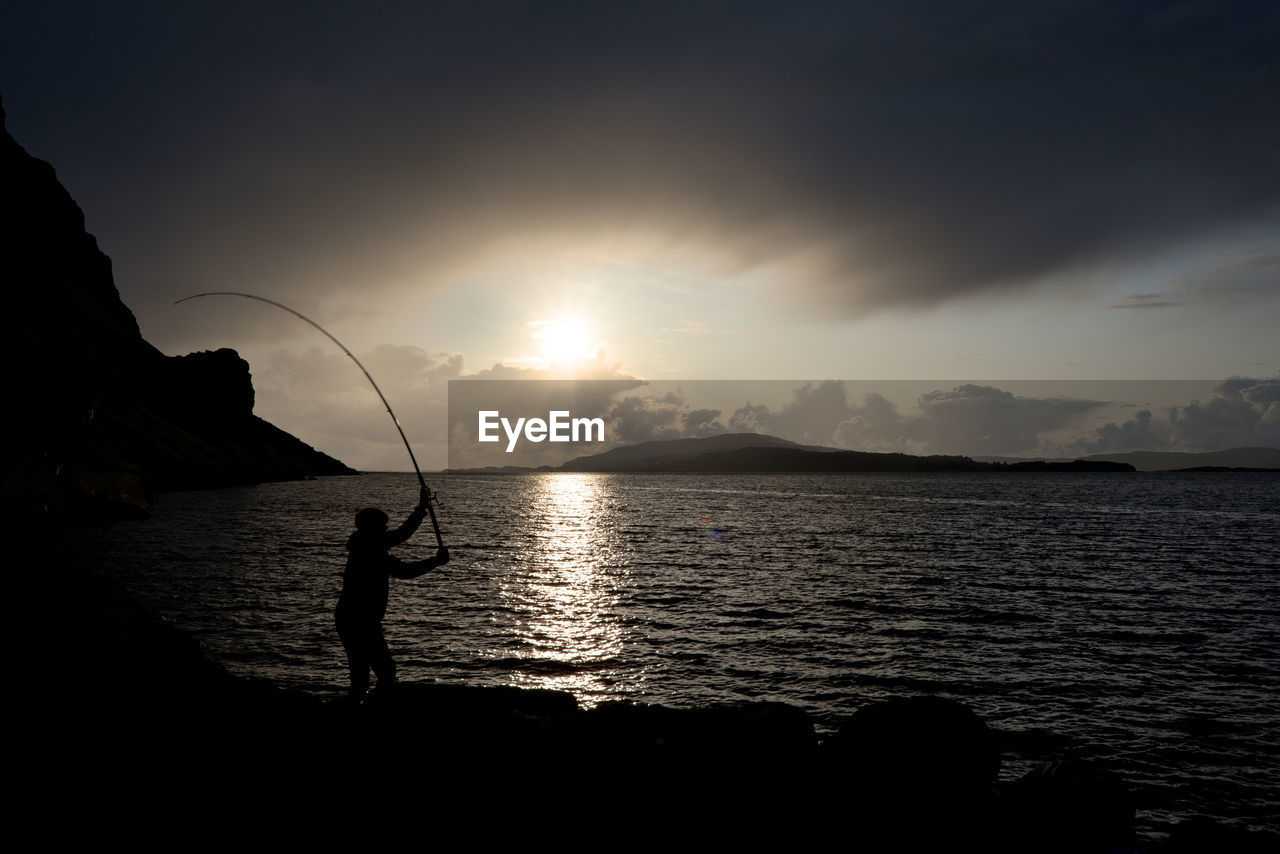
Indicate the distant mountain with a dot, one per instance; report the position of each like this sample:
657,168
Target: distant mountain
648,455
756,452
103,419
753,452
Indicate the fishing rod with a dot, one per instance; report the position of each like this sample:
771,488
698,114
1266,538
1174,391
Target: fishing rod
429,495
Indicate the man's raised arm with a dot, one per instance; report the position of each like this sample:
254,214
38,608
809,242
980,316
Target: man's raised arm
414,568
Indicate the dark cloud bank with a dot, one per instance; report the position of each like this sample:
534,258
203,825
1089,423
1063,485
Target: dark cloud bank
967,419
321,389
876,154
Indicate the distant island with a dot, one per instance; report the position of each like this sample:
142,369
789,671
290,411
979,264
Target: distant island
1232,459
754,452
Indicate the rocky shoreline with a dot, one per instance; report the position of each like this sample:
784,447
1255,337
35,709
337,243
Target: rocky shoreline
124,696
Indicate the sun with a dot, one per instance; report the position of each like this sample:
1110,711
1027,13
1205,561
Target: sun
564,341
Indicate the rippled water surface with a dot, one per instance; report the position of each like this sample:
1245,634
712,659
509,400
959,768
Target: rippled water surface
1133,619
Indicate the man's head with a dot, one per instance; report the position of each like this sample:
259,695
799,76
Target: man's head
371,520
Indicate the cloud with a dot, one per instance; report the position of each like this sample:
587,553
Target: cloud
638,418
875,425
703,422
599,367
324,392
1145,301
1141,432
973,419
320,395
1241,412
325,400
871,155
809,418
967,419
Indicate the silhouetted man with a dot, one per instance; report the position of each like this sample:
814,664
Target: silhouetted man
365,584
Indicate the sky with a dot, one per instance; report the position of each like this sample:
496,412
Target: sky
964,194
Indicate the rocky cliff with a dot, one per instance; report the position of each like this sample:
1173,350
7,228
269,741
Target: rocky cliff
99,419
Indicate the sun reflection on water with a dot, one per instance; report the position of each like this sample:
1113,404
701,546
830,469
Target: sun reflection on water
565,593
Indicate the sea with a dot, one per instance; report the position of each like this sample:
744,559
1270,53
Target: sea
1128,619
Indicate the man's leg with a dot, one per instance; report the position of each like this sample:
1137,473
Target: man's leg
358,658
380,660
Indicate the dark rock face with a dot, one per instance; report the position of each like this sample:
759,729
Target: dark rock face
213,385
918,743
1200,834
916,771
1073,803
102,419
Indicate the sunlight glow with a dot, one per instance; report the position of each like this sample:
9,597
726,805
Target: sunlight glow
570,635
565,341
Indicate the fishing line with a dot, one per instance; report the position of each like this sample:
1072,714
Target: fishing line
430,496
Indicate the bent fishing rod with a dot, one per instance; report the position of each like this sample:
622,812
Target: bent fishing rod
430,496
